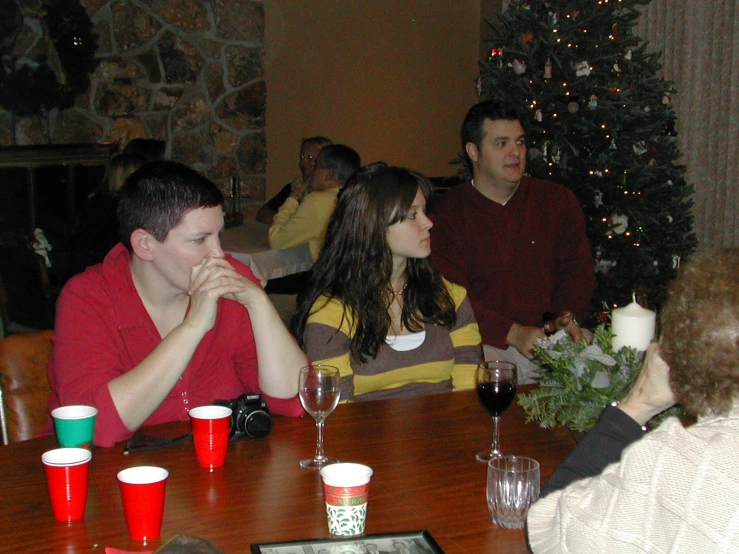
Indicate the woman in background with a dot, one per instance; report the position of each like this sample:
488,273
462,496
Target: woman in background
375,307
97,231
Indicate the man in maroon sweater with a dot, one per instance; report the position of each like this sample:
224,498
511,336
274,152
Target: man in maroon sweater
518,244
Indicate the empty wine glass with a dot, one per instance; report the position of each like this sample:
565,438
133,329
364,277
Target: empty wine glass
496,388
319,388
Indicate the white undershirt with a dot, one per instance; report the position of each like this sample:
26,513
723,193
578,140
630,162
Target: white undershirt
403,343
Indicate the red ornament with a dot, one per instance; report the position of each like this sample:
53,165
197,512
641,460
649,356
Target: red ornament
496,53
528,37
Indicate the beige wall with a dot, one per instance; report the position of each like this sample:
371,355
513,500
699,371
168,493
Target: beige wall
391,78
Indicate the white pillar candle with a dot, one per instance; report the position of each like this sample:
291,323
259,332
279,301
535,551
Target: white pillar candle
632,326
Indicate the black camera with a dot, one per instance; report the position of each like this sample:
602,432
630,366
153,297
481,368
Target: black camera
249,416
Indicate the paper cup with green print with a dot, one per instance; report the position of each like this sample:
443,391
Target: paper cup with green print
346,490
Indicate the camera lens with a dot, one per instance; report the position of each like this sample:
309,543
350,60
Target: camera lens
258,424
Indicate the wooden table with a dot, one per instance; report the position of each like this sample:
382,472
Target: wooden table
422,451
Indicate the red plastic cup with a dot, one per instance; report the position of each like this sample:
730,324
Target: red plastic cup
142,491
210,429
67,470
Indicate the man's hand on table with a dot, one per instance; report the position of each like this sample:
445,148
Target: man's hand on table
524,337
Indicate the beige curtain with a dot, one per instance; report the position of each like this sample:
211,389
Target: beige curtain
699,41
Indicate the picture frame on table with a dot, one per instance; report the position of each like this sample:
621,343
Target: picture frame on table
414,542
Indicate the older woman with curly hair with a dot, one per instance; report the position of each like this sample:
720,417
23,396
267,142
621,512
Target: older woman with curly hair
675,489
375,307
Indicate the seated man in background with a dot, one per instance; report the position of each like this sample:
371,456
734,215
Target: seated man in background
309,149
517,244
676,488
168,322
304,216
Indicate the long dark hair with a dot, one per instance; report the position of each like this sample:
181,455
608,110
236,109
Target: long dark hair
356,264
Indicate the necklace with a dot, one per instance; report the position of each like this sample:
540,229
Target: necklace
394,294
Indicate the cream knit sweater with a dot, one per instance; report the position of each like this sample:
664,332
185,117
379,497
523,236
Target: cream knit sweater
676,490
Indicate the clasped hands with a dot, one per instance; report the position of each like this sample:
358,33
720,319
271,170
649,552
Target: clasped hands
215,278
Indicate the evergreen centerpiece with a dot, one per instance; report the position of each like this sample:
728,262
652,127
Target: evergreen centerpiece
578,380
600,121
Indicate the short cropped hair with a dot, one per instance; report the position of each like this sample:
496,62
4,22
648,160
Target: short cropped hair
476,116
319,141
158,195
700,333
343,160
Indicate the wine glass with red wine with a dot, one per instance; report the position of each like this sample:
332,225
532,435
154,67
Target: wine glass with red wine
496,388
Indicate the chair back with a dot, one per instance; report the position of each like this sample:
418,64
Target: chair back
24,385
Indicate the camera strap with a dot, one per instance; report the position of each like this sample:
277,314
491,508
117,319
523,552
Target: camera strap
145,444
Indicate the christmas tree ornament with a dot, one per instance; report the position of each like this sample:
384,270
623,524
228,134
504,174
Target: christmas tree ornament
495,53
666,99
519,66
548,69
527,37
616,68
676,261
669,219
539,116
597,198
640,148
573,107
619,223
593,103
647,109
627,56
552,19
604,267
582,69
612,146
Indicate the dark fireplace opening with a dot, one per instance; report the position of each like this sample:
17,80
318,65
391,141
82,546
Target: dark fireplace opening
42,187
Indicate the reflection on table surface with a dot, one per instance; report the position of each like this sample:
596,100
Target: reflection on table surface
422,451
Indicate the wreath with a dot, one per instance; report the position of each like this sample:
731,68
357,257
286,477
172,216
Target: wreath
64,61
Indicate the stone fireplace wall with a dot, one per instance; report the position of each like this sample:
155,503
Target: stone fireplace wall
189,72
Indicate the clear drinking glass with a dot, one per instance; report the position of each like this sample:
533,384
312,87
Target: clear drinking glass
319,389
496,388
512,487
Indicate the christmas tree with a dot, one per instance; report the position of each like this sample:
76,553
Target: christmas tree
600,121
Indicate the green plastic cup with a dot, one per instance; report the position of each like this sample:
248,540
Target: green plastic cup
74,426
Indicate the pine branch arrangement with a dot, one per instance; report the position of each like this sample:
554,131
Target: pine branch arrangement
579,380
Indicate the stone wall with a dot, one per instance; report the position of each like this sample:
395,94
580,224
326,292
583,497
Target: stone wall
189,72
